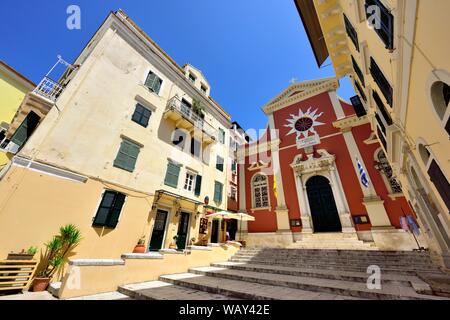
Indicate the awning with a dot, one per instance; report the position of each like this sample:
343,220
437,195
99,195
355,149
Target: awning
160,193
311,23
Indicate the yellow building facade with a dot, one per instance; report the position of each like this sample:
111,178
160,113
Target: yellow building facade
396,54
13,88
133,147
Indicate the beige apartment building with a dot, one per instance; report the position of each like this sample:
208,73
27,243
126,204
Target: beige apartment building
396,55
132,146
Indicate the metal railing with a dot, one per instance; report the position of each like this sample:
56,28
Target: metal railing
49,89
176,104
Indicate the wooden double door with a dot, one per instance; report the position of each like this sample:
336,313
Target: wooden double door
322,205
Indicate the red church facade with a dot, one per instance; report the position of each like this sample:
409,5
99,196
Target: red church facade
302,176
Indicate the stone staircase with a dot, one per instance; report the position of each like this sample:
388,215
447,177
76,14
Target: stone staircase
297,274
338,241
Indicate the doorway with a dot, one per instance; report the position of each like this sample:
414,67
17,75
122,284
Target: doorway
159,229
232,229
183,230
215,231
323,208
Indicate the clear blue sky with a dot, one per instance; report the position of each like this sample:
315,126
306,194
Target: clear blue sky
249,50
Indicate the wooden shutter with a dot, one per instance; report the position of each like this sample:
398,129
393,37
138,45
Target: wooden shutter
198,185
219,163
150,80
218,192
115,210
101,217
25,129
172,174
127,155
440,182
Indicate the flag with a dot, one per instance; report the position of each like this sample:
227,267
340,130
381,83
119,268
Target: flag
412,224
362,174
275,187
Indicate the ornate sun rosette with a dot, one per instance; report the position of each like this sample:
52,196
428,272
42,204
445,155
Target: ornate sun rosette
304,123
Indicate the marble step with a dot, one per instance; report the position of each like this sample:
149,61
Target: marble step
158,290
388,268
338,287
413,281
245,290
337,252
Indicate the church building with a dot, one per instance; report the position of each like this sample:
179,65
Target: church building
319,169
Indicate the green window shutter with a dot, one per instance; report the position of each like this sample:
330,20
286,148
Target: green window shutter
153,82
221,136
233,166
198,185
172,174
25,129
219,163
141,115
127,155
218,192
114,213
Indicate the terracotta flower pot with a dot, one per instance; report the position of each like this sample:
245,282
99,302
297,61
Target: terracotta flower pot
140,248
40,284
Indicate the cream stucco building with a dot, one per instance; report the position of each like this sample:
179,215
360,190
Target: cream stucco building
133,146
396,54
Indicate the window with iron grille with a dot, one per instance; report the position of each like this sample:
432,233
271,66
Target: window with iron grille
386,169
260,191
385,21
382,108
358,106
360,91
358,71
351,32
382,82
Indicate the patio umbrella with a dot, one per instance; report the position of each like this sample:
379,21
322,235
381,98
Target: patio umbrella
242,217
221,214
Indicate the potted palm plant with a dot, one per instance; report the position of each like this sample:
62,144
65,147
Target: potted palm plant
140,247
57,250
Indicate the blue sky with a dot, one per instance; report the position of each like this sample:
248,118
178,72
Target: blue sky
248,50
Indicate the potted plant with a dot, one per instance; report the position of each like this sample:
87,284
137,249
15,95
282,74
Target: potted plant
173,244
140,247
192,241
57,250
198,108
23,255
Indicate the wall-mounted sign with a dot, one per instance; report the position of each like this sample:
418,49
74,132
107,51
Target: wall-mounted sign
303,125
203,226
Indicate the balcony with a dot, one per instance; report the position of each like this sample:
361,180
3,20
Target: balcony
49,89
185,118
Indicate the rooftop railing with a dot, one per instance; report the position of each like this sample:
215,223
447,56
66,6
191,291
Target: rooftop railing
49,89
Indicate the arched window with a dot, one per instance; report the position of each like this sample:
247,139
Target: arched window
424,154
384,166
439,96
260,191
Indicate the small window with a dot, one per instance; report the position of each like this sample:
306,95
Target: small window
189,181
360,91
233,166
382,82
218,189
26,128
351,32
141,115
198,185
192,78
2,135
219,163
358,106
382,108
153,82
195,148
385,29
109,210
233,193
358,71
221,136
204,89
127,155
172,173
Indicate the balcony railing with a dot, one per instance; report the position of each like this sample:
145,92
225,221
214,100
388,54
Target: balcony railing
49,89
176,104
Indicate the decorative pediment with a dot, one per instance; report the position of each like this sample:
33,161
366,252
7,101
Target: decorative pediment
258,165
323,163
300,91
